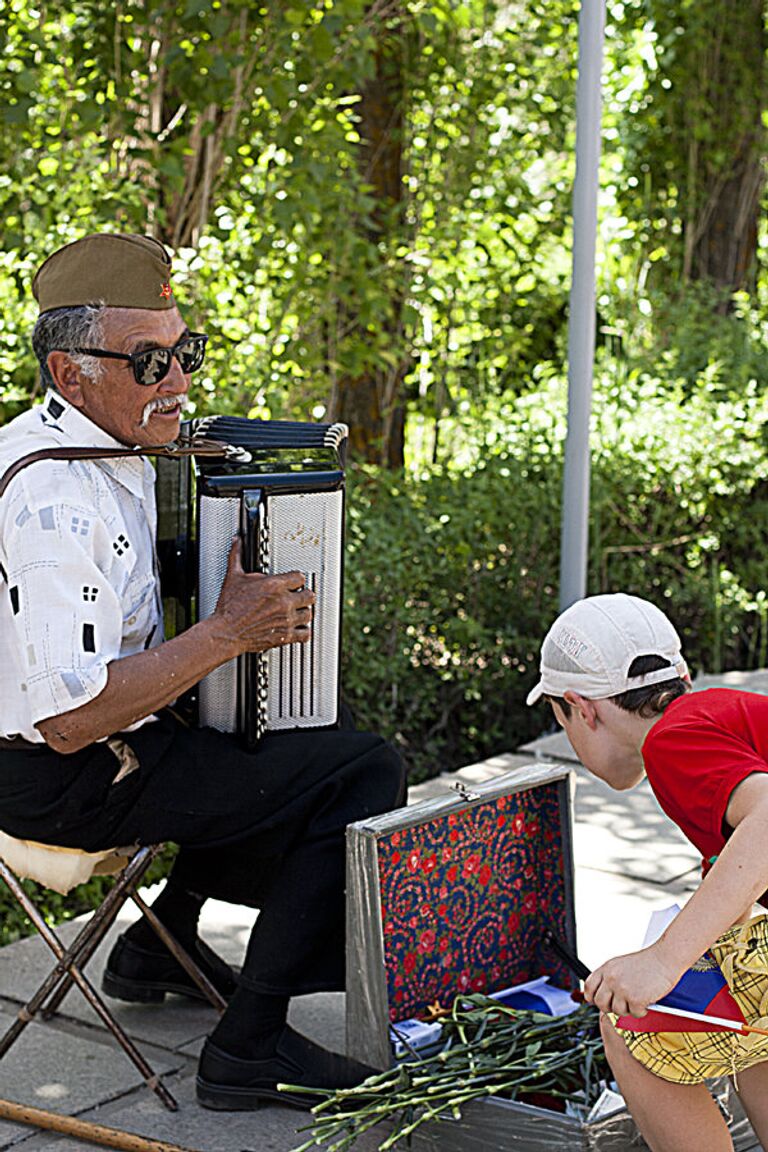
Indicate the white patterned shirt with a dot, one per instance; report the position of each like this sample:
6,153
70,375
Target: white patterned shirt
78,574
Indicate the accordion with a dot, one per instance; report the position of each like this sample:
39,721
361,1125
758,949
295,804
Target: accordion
281,486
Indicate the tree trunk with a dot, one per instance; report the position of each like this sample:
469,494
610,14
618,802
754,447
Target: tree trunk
724,242
371,402
712,113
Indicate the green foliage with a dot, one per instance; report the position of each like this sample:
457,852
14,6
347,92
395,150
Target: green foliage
688,87
452,573
447,583
234,131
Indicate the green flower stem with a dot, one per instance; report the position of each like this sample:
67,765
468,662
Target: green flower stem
490,1051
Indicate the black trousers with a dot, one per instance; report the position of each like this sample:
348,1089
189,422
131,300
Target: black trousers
263,828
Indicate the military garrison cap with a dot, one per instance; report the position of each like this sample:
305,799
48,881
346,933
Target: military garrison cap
120,270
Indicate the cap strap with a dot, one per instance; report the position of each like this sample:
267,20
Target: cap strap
677,671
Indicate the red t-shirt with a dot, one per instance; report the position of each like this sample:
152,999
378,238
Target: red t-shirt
702,747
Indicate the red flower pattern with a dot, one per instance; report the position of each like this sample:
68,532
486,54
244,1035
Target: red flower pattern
427,940
466,911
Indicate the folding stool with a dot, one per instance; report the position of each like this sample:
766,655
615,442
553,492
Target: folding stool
62,869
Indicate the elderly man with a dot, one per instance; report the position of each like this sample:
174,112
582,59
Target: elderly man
85,659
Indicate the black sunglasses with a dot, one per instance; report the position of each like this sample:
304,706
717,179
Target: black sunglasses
153,365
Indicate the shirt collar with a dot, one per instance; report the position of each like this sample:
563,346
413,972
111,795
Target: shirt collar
73,427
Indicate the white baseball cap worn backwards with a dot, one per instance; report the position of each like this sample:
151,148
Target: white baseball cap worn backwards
590,648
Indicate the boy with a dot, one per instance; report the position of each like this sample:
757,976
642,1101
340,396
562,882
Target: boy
613,672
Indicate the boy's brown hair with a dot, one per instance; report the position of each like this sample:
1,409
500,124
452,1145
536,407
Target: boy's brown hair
648,701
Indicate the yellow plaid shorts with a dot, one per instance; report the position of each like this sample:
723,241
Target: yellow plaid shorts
690,1057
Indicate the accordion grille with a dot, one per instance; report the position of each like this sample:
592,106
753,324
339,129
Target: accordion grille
305,532
300,685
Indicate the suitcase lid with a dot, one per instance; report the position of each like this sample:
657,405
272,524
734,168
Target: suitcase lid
454,894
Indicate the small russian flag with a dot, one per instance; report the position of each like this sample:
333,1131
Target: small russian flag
702,989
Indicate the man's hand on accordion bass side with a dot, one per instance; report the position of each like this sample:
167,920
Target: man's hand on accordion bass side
257,612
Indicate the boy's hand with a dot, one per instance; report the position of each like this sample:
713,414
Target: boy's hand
627,984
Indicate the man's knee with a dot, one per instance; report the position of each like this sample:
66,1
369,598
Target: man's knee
393,775
383,771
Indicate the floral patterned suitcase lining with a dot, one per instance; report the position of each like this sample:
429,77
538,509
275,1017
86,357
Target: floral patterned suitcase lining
466,898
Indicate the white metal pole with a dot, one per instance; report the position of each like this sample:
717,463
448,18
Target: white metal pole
581,323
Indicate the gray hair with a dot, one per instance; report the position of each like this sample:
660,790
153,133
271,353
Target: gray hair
65,328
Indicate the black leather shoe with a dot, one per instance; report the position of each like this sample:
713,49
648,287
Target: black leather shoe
230,1084
136,974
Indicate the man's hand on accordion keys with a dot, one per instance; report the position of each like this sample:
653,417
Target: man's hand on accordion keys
256,612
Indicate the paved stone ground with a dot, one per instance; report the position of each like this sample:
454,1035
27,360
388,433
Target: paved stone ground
629,860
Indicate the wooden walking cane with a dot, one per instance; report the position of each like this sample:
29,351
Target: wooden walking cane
83,1129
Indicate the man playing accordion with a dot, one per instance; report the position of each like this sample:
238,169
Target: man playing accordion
85,661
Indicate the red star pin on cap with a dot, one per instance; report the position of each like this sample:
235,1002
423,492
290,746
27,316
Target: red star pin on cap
165,291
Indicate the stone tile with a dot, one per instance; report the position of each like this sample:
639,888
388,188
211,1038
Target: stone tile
226,927
612,911
551,746
629,860
23,966
273,1128
627,832
755,681
471,775
70,1069
493,766
319,1016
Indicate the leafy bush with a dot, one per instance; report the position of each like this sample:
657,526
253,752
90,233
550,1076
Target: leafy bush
452,575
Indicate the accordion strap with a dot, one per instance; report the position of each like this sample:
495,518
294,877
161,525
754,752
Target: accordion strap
176,450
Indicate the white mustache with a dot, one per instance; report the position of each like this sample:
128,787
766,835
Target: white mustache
160,404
